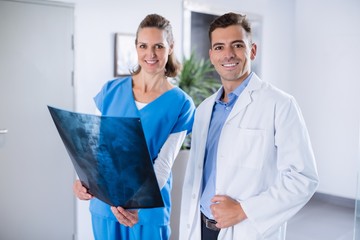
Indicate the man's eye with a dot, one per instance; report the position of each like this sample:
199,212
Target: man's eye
159,46
218,48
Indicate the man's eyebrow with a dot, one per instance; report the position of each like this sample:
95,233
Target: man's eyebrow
217,44
238,41
233,42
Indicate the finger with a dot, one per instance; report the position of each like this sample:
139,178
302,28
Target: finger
123,216
214,211
119,216
83,194
75,186
83,191
218,198
86,196
131,215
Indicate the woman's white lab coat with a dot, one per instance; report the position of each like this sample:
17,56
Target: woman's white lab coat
264,160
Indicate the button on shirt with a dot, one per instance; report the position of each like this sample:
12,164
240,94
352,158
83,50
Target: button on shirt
221,111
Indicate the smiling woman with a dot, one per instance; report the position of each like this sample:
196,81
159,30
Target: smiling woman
166,115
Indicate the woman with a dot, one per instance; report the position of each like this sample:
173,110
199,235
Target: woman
166,114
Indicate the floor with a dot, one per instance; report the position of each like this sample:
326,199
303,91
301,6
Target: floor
321,219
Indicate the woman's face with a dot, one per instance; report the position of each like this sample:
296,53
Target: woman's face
152,50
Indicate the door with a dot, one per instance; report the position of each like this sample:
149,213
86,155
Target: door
36,68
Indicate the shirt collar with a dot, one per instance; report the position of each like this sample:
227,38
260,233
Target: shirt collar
237,90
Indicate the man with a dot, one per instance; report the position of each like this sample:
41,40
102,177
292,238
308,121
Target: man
251,165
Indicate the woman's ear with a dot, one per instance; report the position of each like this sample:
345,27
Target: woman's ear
171,50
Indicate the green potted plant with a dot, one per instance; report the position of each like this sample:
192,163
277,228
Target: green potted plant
197,80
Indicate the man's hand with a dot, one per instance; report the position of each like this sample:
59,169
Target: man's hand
226,211
126,217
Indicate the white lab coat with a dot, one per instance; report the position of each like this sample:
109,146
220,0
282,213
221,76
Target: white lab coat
264,160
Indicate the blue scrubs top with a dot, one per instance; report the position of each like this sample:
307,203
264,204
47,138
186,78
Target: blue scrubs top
171,112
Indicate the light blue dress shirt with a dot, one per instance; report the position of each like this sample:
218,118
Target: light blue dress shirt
219,115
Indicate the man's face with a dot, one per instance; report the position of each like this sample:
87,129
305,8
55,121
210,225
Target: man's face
231,53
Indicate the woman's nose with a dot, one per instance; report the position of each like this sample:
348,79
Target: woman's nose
151,52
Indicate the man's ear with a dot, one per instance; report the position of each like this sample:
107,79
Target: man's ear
210,52
253,51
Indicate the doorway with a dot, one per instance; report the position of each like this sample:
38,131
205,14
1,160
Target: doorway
36,69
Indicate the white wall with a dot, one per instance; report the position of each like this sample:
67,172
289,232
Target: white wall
308,48
278,43
326,84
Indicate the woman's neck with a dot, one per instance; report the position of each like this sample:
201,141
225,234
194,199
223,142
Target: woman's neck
147,88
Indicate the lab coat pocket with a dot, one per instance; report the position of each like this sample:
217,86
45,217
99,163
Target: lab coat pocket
249,148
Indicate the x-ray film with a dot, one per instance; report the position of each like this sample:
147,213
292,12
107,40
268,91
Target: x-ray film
111,158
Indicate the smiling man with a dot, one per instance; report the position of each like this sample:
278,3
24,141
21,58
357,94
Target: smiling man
251,165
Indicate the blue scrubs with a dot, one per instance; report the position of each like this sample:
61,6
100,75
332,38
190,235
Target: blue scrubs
171,112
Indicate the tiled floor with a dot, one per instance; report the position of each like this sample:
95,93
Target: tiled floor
322,220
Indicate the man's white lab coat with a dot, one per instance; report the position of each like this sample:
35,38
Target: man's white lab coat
264,160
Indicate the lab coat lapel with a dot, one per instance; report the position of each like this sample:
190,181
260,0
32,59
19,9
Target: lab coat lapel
245,98
206,115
